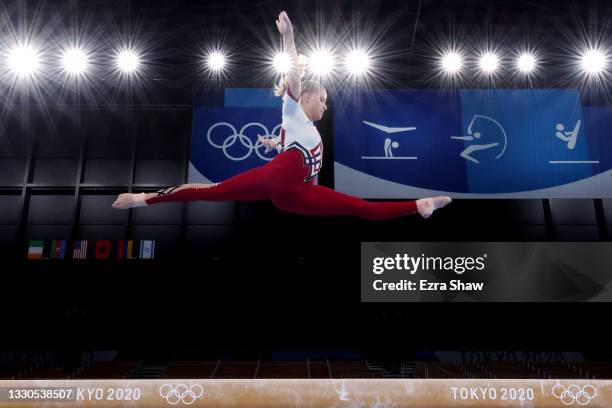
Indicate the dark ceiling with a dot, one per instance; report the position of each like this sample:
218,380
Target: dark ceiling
404,35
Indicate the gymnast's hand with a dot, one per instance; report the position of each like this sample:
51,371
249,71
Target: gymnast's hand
269,143
284,24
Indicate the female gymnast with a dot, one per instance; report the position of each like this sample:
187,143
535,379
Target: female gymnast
287,180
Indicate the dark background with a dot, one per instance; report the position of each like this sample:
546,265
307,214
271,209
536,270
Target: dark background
245,275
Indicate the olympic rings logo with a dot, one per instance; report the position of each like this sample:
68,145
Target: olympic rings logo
244,140
574,394
181,393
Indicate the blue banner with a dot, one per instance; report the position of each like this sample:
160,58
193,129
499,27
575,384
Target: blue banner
471,143
225,137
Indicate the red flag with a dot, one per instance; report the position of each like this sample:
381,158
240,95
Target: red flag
102,249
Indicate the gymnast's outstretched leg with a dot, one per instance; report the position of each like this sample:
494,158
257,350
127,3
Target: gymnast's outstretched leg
312,199
131,200
254,184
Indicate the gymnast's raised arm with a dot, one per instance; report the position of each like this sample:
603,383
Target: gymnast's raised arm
293,76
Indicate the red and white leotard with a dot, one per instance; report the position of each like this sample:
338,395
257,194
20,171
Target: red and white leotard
298,132
287,180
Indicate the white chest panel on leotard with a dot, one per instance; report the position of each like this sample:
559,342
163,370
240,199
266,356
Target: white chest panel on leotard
298,132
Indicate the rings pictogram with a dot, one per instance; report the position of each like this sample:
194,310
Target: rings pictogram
243,139
181,393
574,394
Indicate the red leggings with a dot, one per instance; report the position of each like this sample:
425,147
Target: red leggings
282,181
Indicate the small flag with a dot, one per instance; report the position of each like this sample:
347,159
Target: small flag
121,249
103,248
80,250
58,249
36,249
124,249
130,250
147,249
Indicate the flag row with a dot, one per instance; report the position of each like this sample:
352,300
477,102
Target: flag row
100,249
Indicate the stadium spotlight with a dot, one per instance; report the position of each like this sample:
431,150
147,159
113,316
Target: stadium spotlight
75,61
357,62
593,62
128,61
215,61
24,61
321,62
526,63
451,62
282,63
489,62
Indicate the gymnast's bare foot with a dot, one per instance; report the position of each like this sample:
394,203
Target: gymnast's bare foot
426,206
129,200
